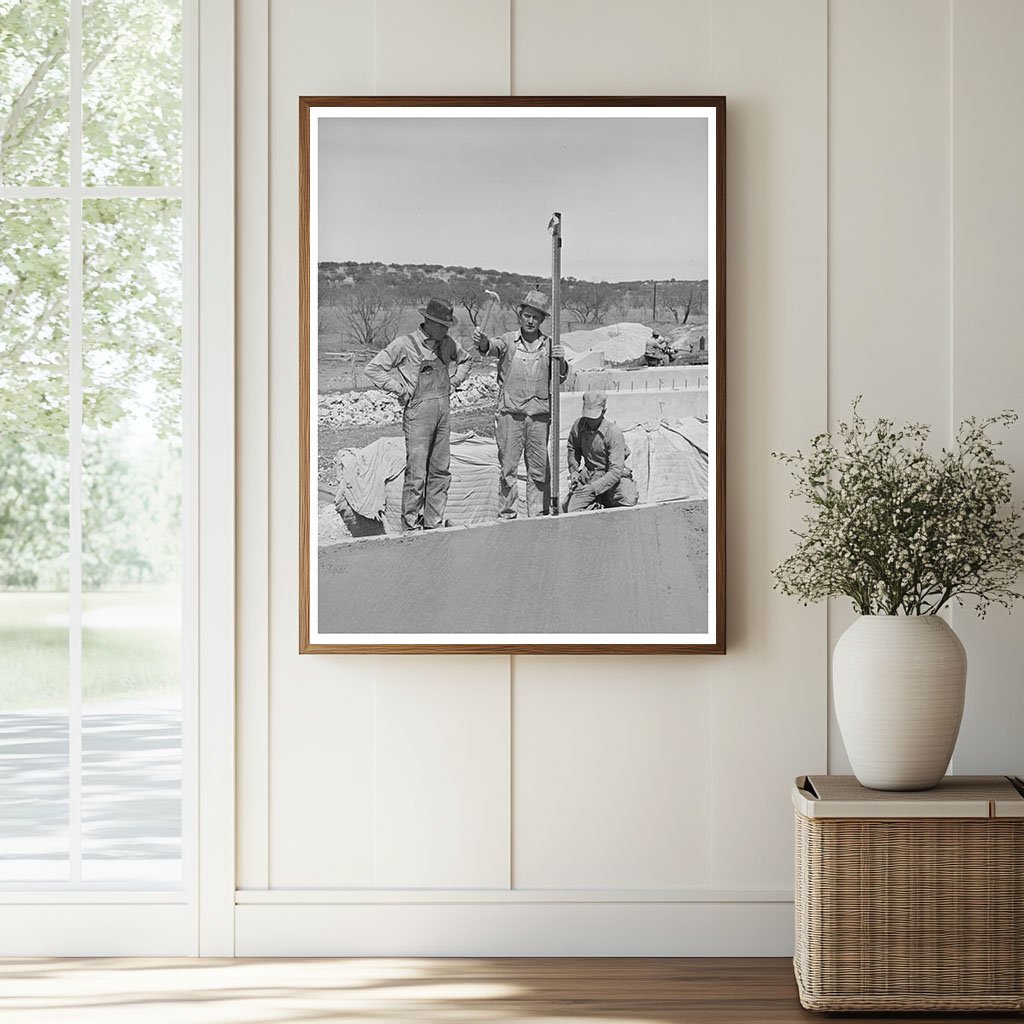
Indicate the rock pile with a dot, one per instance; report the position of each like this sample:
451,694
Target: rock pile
478,391
369,408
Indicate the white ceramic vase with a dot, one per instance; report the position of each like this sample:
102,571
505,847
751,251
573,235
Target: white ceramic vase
898,684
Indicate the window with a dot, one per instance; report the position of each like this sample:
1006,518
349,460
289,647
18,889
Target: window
95,476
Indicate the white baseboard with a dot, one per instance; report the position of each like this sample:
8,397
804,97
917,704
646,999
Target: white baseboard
97,929
521,928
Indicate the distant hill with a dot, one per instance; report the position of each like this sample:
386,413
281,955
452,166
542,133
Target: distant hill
352,272
402,275
362,305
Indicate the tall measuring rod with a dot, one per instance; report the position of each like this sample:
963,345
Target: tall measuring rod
555,227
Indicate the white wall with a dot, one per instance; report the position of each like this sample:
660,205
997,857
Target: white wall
588,805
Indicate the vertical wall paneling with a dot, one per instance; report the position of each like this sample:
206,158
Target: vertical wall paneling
769,692
323,756
889,219
889,249
442,48
321,708
252,309
442,772
987,367
577,47
326,729
612,765
874,222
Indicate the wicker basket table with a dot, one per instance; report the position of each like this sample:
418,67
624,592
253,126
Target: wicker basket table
910,901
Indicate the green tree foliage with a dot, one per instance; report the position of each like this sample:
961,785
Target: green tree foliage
132,313
131,509
33,513
131,93
34,320
34,77
131,309
33,392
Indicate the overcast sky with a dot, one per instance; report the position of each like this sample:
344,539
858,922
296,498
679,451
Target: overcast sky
479,192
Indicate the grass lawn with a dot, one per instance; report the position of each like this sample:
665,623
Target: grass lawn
130,647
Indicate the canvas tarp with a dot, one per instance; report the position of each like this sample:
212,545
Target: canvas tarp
668,460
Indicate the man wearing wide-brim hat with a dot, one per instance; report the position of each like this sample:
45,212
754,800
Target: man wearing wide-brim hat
421,369
523,418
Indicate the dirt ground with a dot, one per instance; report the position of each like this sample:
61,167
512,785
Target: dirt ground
345,375
336,375
332,439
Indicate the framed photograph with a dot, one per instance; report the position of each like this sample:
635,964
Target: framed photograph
512,374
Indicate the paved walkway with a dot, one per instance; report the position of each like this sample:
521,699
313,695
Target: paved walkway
131,794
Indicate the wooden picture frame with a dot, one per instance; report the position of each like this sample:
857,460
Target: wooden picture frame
407,202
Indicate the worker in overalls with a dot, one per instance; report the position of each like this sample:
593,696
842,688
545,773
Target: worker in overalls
421,369
523,418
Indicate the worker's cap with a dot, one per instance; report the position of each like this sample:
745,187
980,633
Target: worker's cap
537,301
594,403
439,311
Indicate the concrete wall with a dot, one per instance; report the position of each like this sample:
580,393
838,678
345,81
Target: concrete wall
640,570
612,804
628,408
650,379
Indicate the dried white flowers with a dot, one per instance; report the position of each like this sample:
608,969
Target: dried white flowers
897,529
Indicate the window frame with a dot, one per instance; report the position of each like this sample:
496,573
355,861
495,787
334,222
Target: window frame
72,917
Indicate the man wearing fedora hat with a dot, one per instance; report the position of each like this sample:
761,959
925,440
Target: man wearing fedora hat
421,369
597,453
523,418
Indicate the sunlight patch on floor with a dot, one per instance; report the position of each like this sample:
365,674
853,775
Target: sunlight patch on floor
218,991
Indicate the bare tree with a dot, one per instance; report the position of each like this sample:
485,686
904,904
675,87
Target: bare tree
684,298
471,295
589,301
329,300
370,314
328,321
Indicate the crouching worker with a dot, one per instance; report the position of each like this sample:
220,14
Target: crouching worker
597,453
658,352
421,369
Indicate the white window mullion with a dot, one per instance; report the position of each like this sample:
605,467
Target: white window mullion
34,192
134,192
75,302
189,194
95,191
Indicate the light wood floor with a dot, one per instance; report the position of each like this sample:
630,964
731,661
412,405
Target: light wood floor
382,991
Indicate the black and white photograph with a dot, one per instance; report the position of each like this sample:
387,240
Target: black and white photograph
511,363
